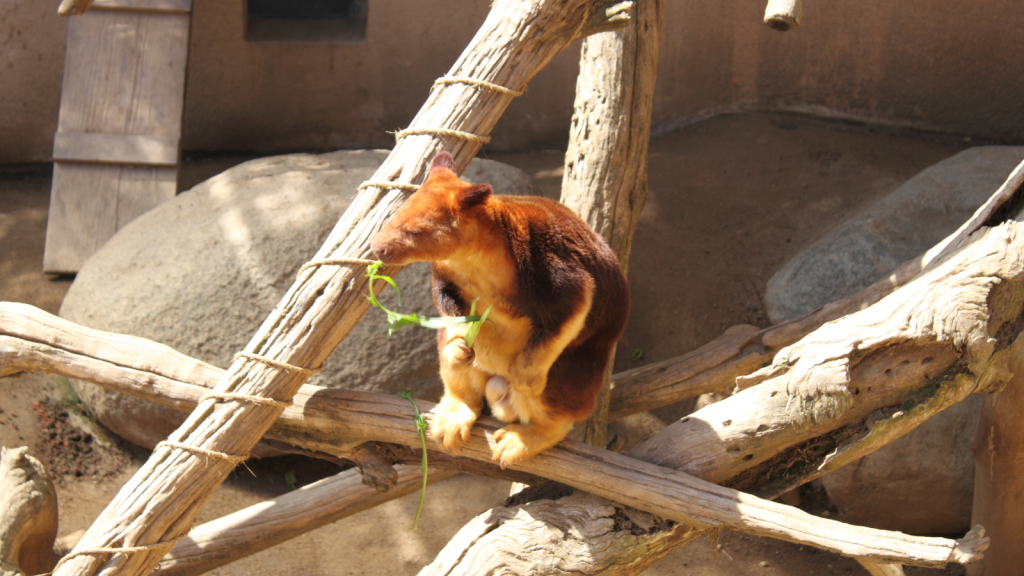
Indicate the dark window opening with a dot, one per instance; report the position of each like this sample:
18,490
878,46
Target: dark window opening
305,20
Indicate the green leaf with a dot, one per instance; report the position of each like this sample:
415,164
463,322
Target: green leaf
289,478
476,325
638,354
396,320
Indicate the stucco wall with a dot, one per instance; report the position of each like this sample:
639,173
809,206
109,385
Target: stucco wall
950,66
32,40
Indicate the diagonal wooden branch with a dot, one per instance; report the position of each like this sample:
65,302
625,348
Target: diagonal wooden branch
743,349
158,505
269,523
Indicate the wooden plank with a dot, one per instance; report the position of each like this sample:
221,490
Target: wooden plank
122,101
96,201
116,148
170,6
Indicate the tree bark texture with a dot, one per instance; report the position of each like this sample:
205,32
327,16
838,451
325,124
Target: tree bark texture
160,503
605,179
28,515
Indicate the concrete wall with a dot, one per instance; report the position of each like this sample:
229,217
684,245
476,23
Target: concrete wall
949,66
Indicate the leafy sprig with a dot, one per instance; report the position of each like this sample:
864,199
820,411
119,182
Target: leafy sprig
421,427
397,320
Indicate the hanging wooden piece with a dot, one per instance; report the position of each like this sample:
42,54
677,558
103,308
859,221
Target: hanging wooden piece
116,147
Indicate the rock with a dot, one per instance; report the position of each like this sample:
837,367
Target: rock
201,272
920,213
922,483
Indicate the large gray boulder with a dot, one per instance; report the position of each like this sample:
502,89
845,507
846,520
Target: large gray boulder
924,482
202,271
901,226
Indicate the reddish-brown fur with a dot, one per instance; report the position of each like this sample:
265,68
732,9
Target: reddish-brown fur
559,298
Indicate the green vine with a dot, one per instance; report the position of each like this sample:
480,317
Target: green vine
421,427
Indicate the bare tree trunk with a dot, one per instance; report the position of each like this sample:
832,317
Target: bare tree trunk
158,506
28,515
999,478
605,179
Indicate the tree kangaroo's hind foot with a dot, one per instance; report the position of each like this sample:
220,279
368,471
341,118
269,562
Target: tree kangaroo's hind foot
517,442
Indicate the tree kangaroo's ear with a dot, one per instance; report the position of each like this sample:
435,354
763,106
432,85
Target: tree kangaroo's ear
442,160
474,196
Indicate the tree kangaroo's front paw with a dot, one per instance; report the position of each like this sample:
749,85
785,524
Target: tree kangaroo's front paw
451,425
457,355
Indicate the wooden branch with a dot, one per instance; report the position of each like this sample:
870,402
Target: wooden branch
935,330
327,417
158,505
784,15
566,535
742,349
73,7
269,523
28,514
878,569
605,178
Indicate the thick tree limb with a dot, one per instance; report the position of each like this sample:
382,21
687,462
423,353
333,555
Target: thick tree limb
742,349
158,505
784,15
605,178
28,514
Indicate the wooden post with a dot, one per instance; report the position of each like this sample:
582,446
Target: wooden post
605,179
999,478
28,514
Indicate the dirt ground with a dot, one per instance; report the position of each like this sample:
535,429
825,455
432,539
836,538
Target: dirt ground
731,200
